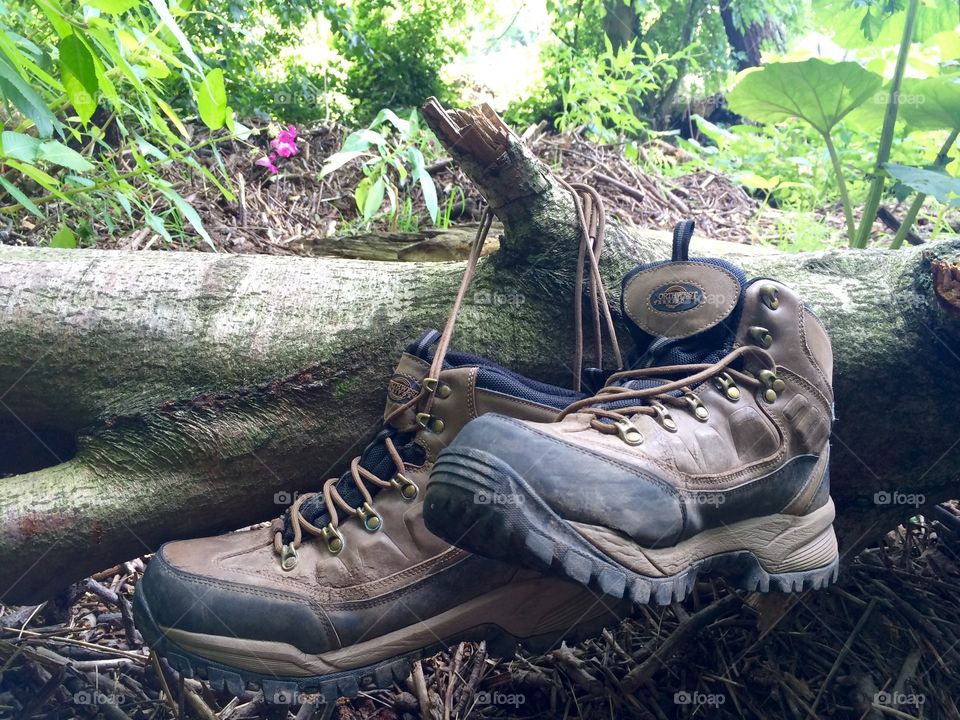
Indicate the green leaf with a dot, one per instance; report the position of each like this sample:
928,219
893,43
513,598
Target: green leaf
186,209
19,146
374,198
338,160
429,195
362,140
15,90
64,238
212,100
857,25
167,17
59,154
930,103
112,7
939,184
44,180
18,195
816,91
79,76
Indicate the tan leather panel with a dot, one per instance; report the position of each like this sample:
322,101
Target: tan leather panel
657,299
489,401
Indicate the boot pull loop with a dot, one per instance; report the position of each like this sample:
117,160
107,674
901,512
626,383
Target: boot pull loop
682,232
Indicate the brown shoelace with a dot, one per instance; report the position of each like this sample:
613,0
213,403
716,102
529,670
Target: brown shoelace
592,219
654,400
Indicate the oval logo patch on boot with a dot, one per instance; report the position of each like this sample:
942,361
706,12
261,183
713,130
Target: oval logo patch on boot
676,297
402,389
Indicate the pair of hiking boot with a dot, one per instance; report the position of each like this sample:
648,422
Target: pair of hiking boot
491,506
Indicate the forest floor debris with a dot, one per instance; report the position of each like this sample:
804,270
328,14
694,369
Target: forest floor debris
883,642
296,212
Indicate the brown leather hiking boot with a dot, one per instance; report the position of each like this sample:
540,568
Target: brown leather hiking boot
349,585
711,456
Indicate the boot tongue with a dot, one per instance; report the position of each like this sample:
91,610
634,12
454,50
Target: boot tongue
683,310
404,385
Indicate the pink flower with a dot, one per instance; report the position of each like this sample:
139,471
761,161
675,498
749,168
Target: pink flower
285,143
267,162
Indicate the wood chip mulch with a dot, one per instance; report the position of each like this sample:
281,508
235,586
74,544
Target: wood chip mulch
884,642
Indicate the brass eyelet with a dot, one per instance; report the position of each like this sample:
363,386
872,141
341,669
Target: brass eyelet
760,336
774,385
628,432
372,521
333,538
770,296
288,557
700,411
407,487
433,385
663,416
429,422
727,386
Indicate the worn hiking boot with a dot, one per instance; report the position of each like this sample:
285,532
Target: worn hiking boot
709,457
349,585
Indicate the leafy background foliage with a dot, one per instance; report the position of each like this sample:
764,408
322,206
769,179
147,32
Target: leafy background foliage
115,110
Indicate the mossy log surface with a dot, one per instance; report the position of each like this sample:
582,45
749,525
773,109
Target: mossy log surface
201,391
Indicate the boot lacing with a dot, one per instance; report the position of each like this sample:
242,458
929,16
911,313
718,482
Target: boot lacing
654,399
592,220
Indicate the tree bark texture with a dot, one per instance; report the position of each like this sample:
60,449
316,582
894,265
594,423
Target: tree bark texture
202,390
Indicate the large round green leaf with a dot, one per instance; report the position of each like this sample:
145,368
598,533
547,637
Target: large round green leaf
855,24
943,186
930,103
819,92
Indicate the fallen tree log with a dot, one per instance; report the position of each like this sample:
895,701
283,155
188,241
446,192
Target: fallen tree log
174,395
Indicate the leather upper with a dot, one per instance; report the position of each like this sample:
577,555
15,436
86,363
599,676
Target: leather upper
748,458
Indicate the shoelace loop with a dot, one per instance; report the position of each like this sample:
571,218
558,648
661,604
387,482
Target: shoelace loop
592,219
654,401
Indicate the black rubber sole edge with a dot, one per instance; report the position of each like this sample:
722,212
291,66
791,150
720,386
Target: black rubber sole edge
279,690
479,503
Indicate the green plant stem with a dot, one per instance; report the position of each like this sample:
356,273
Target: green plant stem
842,187
875,193
918,201
11,209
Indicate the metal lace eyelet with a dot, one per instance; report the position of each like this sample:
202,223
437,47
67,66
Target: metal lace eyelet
727,386
333,538
663,416
700,411
761,336
770,296
407,487
628,432
773,385
288,557
434,385
372,521
430,422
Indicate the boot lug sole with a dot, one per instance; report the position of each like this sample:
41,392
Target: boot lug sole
287,691
528,531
